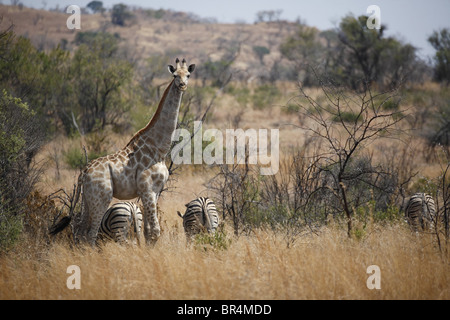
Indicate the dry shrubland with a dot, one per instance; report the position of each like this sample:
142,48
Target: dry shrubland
348,160
266,262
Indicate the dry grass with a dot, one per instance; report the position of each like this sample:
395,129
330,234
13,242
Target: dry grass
260,266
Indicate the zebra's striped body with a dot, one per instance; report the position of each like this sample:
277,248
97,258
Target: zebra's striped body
200,216
118,221
420,211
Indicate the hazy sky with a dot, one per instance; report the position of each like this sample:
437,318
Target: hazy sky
409,20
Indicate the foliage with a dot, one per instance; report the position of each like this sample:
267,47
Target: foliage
268,15
82,92
437,128
367,56
242,94
260,52
155,14
120,14
237,194
96,6
347,116
36,77
218,240
20,139
90,37
98,75
354,55
218,71
440,40
96,145
304,49
264,96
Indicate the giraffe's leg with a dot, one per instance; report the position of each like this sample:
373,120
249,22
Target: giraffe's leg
152,229
150,184
98,201
96,219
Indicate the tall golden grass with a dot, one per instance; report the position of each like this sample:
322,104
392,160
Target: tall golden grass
326,265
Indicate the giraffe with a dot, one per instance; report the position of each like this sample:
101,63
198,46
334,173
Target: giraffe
137,170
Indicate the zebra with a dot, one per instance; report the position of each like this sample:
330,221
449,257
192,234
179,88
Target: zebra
200,216
117,221
420,211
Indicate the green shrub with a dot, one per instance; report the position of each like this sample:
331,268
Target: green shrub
391,105
213,241
76,158
348,116
264,96
241,94
20,139
10,228
292,108
155,14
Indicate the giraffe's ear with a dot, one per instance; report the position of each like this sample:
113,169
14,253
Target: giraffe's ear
191,68
171,69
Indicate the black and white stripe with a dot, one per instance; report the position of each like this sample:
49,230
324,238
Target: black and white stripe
420,211
119,219
200,216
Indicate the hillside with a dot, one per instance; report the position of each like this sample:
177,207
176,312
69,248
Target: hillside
144,36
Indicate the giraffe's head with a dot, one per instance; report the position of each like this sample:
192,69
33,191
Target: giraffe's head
181,73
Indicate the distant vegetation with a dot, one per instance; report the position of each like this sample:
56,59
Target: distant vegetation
440,40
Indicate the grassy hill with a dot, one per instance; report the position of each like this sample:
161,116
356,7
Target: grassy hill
175,33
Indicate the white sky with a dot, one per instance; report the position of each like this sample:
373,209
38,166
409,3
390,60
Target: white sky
409,20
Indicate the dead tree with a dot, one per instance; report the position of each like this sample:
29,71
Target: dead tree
345,123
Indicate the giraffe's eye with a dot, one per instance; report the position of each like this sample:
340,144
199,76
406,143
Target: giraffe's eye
188,76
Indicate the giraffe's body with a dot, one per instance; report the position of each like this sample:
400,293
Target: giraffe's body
138,170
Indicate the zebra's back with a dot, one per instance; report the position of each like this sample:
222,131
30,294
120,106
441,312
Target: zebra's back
420,211
119,219
200,216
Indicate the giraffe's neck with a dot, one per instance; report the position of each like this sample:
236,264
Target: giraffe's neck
157,135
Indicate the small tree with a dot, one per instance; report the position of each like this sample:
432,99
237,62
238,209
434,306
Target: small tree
261,51
342,164
96,6
440,40
120,14
236,189
365,56
268,15
98,76
304,50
